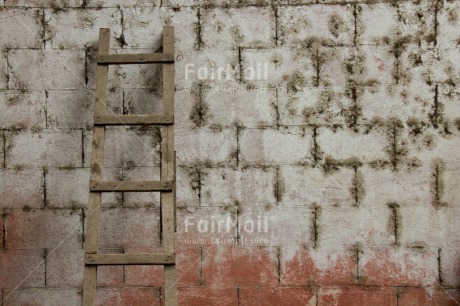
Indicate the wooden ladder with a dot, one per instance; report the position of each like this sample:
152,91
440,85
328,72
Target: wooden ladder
166,185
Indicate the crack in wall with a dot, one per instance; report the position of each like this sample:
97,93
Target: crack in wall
8,67
4,215
4,149
357,188
198,31
395,222
121,40
45,200
438,184
440,274
436,115
83,235
315,210
278,264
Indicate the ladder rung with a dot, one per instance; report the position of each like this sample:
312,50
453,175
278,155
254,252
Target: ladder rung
144,58
133,120
129,259
132,186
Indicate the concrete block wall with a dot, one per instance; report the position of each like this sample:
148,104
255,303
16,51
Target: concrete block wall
345,151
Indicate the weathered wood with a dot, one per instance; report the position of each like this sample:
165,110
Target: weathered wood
94,205
168,171
127,59
132,186
133,120
129,259
166,185
89,285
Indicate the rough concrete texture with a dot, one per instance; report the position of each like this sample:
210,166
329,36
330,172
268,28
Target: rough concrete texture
344,157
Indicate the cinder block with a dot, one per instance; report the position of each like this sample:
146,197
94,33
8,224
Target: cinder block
348,226
79,29
21,28
188,260
429,297
140,30
338,68
21,188
443,66
303,186
346,144
323,266
45,3
205,146
208,296
277,296
398,266
315,106
250,186
132,146
184,111
16,266
269,146
120,3
450,266
430,147
188,187
406,187
378,23
417,20
425,225
230,266
219,187
64,268
377,63
448,181
143,101
141,296
129,230
274,226
138,24
389,102
144,276
53,69
326,24
257,187
249,27
185,22
110,276
51,149
292,68
251,108
336,296
38,229
22,110
69,109
185,3
448,98
448,22
67,188
43,296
